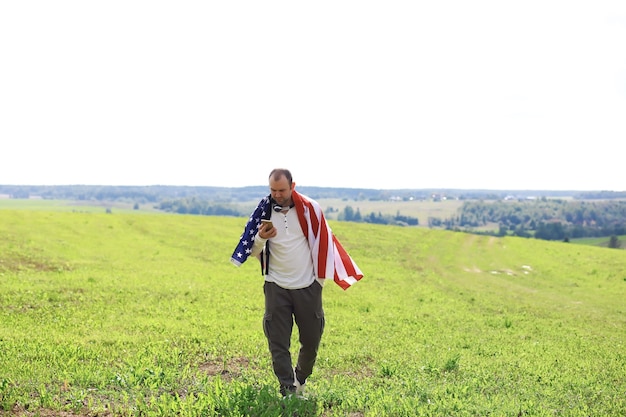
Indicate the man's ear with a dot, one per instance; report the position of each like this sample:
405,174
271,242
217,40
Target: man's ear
293,185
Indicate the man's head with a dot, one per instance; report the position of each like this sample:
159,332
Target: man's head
281,186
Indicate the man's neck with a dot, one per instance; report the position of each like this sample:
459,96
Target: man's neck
287,206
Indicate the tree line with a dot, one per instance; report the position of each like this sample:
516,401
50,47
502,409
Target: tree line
349,214
548,219
542,218
194,205
602,214
157,193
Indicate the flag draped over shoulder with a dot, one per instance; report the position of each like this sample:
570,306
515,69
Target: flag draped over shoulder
330,259
244,248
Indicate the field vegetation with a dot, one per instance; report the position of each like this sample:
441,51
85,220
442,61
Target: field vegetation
131,313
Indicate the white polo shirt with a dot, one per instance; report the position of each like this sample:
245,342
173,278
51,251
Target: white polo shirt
290,262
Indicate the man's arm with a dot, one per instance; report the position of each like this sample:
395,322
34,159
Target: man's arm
259,244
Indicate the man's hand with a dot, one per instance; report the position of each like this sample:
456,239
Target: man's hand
267,231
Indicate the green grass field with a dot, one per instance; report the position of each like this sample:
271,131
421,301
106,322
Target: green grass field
134,314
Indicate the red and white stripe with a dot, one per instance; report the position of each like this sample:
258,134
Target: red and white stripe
330,259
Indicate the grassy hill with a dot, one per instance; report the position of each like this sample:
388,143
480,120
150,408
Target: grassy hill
139,314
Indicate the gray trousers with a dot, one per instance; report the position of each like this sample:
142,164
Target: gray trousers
282,306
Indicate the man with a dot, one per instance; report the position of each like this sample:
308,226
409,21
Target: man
298,251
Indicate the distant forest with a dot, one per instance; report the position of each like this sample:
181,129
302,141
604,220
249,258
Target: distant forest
551,215
159,193
549,219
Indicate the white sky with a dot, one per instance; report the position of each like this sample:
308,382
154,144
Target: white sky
365,94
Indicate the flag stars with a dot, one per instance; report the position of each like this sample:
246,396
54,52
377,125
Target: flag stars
248,237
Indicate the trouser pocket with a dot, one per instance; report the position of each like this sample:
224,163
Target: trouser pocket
321,319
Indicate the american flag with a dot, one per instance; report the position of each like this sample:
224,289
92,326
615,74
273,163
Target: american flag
244,248
330,259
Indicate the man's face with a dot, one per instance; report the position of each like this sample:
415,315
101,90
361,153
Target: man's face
281,191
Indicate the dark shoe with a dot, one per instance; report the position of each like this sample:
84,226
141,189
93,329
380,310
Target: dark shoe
286,390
